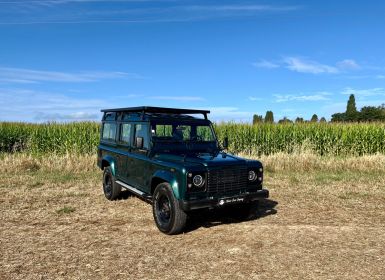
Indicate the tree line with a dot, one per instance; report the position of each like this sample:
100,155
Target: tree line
366,114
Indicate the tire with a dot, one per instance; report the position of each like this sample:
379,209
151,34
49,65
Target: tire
168,216
110,188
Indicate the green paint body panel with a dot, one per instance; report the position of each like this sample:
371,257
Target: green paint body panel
144,169
110,161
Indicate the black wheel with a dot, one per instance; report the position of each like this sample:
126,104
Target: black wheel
169,218
110,188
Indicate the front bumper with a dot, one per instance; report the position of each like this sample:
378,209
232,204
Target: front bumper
213,202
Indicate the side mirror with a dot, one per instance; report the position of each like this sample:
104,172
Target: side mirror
225,143
139,142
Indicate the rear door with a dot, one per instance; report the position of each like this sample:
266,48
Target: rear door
107,147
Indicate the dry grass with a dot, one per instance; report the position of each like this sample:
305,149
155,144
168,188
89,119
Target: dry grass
306,161
329,223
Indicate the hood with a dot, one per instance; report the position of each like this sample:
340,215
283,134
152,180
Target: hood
220,159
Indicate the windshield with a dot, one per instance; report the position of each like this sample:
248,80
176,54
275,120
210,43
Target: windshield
182,133
183,138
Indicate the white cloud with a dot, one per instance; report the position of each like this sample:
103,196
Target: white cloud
305,65
319,96
266,64
287,110
177,98
247,8
253,98
364,92
30,105
302,65
20,75
45,12
76,116
229,114
348,64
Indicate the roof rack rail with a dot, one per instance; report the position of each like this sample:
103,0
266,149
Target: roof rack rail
163,110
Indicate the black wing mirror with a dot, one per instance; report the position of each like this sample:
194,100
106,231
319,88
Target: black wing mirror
225,143
139,142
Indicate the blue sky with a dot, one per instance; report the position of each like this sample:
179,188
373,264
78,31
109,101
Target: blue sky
65,60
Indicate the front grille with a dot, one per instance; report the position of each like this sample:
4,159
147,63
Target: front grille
229,179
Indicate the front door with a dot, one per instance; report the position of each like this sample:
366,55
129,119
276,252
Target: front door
124,146
139,164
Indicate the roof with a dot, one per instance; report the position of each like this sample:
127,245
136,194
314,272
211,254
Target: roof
159,110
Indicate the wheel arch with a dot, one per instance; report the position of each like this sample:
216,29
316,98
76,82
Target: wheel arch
163,176
108,161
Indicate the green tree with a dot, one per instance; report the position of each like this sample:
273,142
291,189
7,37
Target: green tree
257,119
371,113
299,120
351,109
322,120
314,118
269,117
285,120
338,117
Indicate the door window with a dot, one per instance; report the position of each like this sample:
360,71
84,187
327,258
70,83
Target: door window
141,130
109,131
125,133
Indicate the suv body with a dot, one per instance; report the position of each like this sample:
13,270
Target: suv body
174,160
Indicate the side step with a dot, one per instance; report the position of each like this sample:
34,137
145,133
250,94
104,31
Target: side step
134,190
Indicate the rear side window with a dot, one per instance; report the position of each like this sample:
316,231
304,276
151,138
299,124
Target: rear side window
163,130
109,131
125,134
141,130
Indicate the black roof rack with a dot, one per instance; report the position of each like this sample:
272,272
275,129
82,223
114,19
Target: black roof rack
163,110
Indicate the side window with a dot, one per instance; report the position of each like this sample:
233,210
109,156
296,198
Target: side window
141,130
204,133
125,133
163,130
109,131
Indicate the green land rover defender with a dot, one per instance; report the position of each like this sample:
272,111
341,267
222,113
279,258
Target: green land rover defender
174,161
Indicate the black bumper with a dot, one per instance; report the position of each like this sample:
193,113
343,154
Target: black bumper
187,205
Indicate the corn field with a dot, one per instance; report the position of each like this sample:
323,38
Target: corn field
79,137
327,139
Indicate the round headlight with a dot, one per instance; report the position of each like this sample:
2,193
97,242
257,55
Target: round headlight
252,175
198,181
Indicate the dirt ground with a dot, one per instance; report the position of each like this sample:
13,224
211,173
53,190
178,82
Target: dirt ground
56,224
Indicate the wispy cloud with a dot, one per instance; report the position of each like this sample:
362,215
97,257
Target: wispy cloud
76,116
177,98
348,64
57,2
20,75
253,98
229,114
243,8
319,96
306,65
364,92
124,12
39,105
266,64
